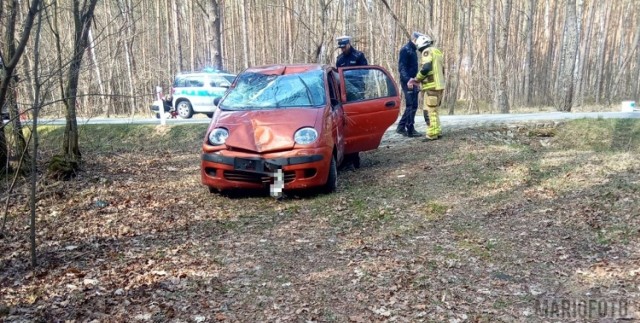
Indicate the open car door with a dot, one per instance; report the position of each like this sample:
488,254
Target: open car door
371,103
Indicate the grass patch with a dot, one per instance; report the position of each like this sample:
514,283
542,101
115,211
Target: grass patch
434,211
117,138
600,135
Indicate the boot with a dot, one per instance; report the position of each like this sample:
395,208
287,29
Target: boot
402,131
413,133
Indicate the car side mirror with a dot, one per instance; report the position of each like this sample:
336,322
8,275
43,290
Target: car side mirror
216,101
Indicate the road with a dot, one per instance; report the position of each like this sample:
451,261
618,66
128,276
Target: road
447,120
525,117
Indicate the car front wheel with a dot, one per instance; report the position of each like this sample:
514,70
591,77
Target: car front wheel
185,111
332,177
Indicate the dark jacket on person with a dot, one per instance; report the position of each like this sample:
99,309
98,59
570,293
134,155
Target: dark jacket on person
353,58
407,62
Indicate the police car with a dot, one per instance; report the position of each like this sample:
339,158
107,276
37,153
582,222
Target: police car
194,92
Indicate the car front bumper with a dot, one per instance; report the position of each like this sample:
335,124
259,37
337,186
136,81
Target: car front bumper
234,170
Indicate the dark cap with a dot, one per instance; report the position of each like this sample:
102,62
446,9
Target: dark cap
343,41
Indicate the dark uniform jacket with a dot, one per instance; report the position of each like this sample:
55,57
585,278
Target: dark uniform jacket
353,58
407,62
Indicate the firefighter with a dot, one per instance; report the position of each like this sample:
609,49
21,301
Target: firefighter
431,79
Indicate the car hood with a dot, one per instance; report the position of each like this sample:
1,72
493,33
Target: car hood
265,130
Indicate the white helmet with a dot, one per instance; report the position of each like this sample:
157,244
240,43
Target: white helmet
423,42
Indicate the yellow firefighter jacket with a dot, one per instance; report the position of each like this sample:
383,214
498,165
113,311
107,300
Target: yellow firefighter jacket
431,74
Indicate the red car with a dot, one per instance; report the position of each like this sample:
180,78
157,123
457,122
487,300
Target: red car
296,124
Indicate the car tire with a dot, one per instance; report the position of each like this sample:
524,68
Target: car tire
210,115
184,109
212,190
157,115
332,178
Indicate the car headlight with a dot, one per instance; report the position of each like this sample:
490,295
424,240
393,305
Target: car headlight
218,136
305,136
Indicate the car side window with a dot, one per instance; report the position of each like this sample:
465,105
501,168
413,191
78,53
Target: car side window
195,83
179,82
220,82
367,84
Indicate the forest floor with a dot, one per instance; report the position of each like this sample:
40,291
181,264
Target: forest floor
493,224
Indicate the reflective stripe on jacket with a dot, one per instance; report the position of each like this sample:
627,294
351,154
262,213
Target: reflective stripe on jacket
431,74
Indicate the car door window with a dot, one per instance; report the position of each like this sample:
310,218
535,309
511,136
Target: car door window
195,83
371,103
361,84
220,82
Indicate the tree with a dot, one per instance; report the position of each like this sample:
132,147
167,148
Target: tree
454,79
82,16
571,50
215,16
10,56
530,14
502,99
33,174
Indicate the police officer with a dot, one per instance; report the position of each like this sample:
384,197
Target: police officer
408,68
349,56
431,79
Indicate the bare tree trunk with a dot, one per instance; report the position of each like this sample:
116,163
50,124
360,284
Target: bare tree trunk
491,46
11,56
96,68
604,19
454,75
34,138
502,99
571,49
159,46
550,18
82,23
584,55
171,36
531,6
245,37
126,13
177,35
192,43
216,42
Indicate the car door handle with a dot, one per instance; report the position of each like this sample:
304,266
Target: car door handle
390,104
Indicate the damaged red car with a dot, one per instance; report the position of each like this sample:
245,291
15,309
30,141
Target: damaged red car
297,121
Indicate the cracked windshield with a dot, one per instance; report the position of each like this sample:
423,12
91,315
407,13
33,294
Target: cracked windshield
261,91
